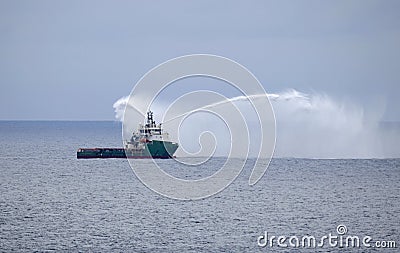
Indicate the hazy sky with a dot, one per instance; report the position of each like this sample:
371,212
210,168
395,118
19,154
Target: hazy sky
73,59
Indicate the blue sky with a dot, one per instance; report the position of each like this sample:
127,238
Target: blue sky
71,60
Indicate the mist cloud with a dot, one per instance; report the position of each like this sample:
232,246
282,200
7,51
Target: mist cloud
308,126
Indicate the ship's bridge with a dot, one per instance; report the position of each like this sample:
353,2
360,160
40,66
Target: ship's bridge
151,130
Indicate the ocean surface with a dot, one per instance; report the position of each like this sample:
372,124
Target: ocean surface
50,201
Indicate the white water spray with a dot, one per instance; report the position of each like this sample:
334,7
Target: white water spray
308,126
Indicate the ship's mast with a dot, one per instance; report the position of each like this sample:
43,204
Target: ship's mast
150,121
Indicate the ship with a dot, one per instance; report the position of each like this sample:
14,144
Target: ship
149,141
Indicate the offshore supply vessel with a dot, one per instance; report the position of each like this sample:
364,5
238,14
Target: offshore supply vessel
150,141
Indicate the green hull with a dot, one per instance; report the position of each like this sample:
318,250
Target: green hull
152,149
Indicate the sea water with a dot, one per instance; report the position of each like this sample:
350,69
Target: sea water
50,201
